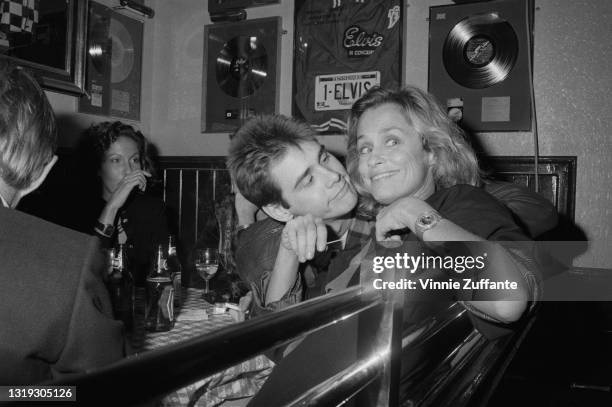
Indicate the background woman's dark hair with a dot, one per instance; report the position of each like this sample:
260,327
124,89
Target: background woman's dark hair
104,134
94,143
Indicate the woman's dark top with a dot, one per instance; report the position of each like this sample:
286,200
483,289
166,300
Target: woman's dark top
143,218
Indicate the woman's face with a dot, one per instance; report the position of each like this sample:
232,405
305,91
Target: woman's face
392,161
121,158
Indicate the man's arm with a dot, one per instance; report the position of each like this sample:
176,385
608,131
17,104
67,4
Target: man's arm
94,338
300,238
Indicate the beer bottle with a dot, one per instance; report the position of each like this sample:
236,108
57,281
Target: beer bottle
121,287
159,295
176,271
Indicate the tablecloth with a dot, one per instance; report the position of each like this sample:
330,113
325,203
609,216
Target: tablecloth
239,381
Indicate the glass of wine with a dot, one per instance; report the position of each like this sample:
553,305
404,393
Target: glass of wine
206,264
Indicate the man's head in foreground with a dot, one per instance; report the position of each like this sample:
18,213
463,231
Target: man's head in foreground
28,134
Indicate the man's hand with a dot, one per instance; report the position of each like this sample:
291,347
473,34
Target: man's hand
302,235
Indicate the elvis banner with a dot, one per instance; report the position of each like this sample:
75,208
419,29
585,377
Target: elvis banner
342,48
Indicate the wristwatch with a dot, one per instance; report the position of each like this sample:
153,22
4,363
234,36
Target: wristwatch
425,221
104,229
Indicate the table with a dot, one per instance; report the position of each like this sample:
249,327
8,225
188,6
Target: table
239,381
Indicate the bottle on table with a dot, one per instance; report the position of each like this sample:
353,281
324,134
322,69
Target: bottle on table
121,287
176,271
159,295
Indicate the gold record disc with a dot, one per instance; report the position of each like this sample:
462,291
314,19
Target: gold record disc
99,45
241,66
480,51
122,51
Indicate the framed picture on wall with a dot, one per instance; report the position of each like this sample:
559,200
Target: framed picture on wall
240,72
47,37
114,64
342,48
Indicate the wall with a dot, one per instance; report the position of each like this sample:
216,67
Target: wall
573,83
571,74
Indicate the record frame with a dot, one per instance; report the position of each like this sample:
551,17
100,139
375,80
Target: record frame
120,98
70,76
492,92
223,112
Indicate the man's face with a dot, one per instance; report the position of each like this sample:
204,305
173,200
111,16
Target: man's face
312,181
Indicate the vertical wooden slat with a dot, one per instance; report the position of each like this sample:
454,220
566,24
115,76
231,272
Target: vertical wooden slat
180,208
172,197
223,185
187,226
205,202
197,201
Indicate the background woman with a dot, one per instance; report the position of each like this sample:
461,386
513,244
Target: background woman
123,212
416,172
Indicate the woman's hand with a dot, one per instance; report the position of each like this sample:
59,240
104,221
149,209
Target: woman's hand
135,179
401,214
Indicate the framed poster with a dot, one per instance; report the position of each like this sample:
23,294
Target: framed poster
114,64
342,48
47,37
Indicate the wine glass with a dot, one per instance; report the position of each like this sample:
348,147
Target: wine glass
206,264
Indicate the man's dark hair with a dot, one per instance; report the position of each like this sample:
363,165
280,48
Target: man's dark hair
255,146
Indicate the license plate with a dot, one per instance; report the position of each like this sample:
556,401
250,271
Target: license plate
340,91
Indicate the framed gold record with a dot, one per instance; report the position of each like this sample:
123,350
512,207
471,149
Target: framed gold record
240,72
479,63
122,51
114,62
480,51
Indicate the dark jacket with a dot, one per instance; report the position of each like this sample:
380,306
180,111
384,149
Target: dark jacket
143,217
55,313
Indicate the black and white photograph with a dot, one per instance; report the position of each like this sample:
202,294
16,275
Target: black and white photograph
262,203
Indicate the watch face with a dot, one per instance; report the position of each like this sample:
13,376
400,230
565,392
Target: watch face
479,50
426,220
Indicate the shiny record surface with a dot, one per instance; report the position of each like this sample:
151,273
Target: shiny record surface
480,51
99,44
242,66
122,51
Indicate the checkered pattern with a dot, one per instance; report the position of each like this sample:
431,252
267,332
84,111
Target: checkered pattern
239,381
183,330
18,15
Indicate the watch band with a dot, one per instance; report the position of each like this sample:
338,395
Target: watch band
104,229
425,221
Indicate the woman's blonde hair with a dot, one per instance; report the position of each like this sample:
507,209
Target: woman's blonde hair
454,159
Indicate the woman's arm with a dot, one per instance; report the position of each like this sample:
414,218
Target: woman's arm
405,212
136,179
